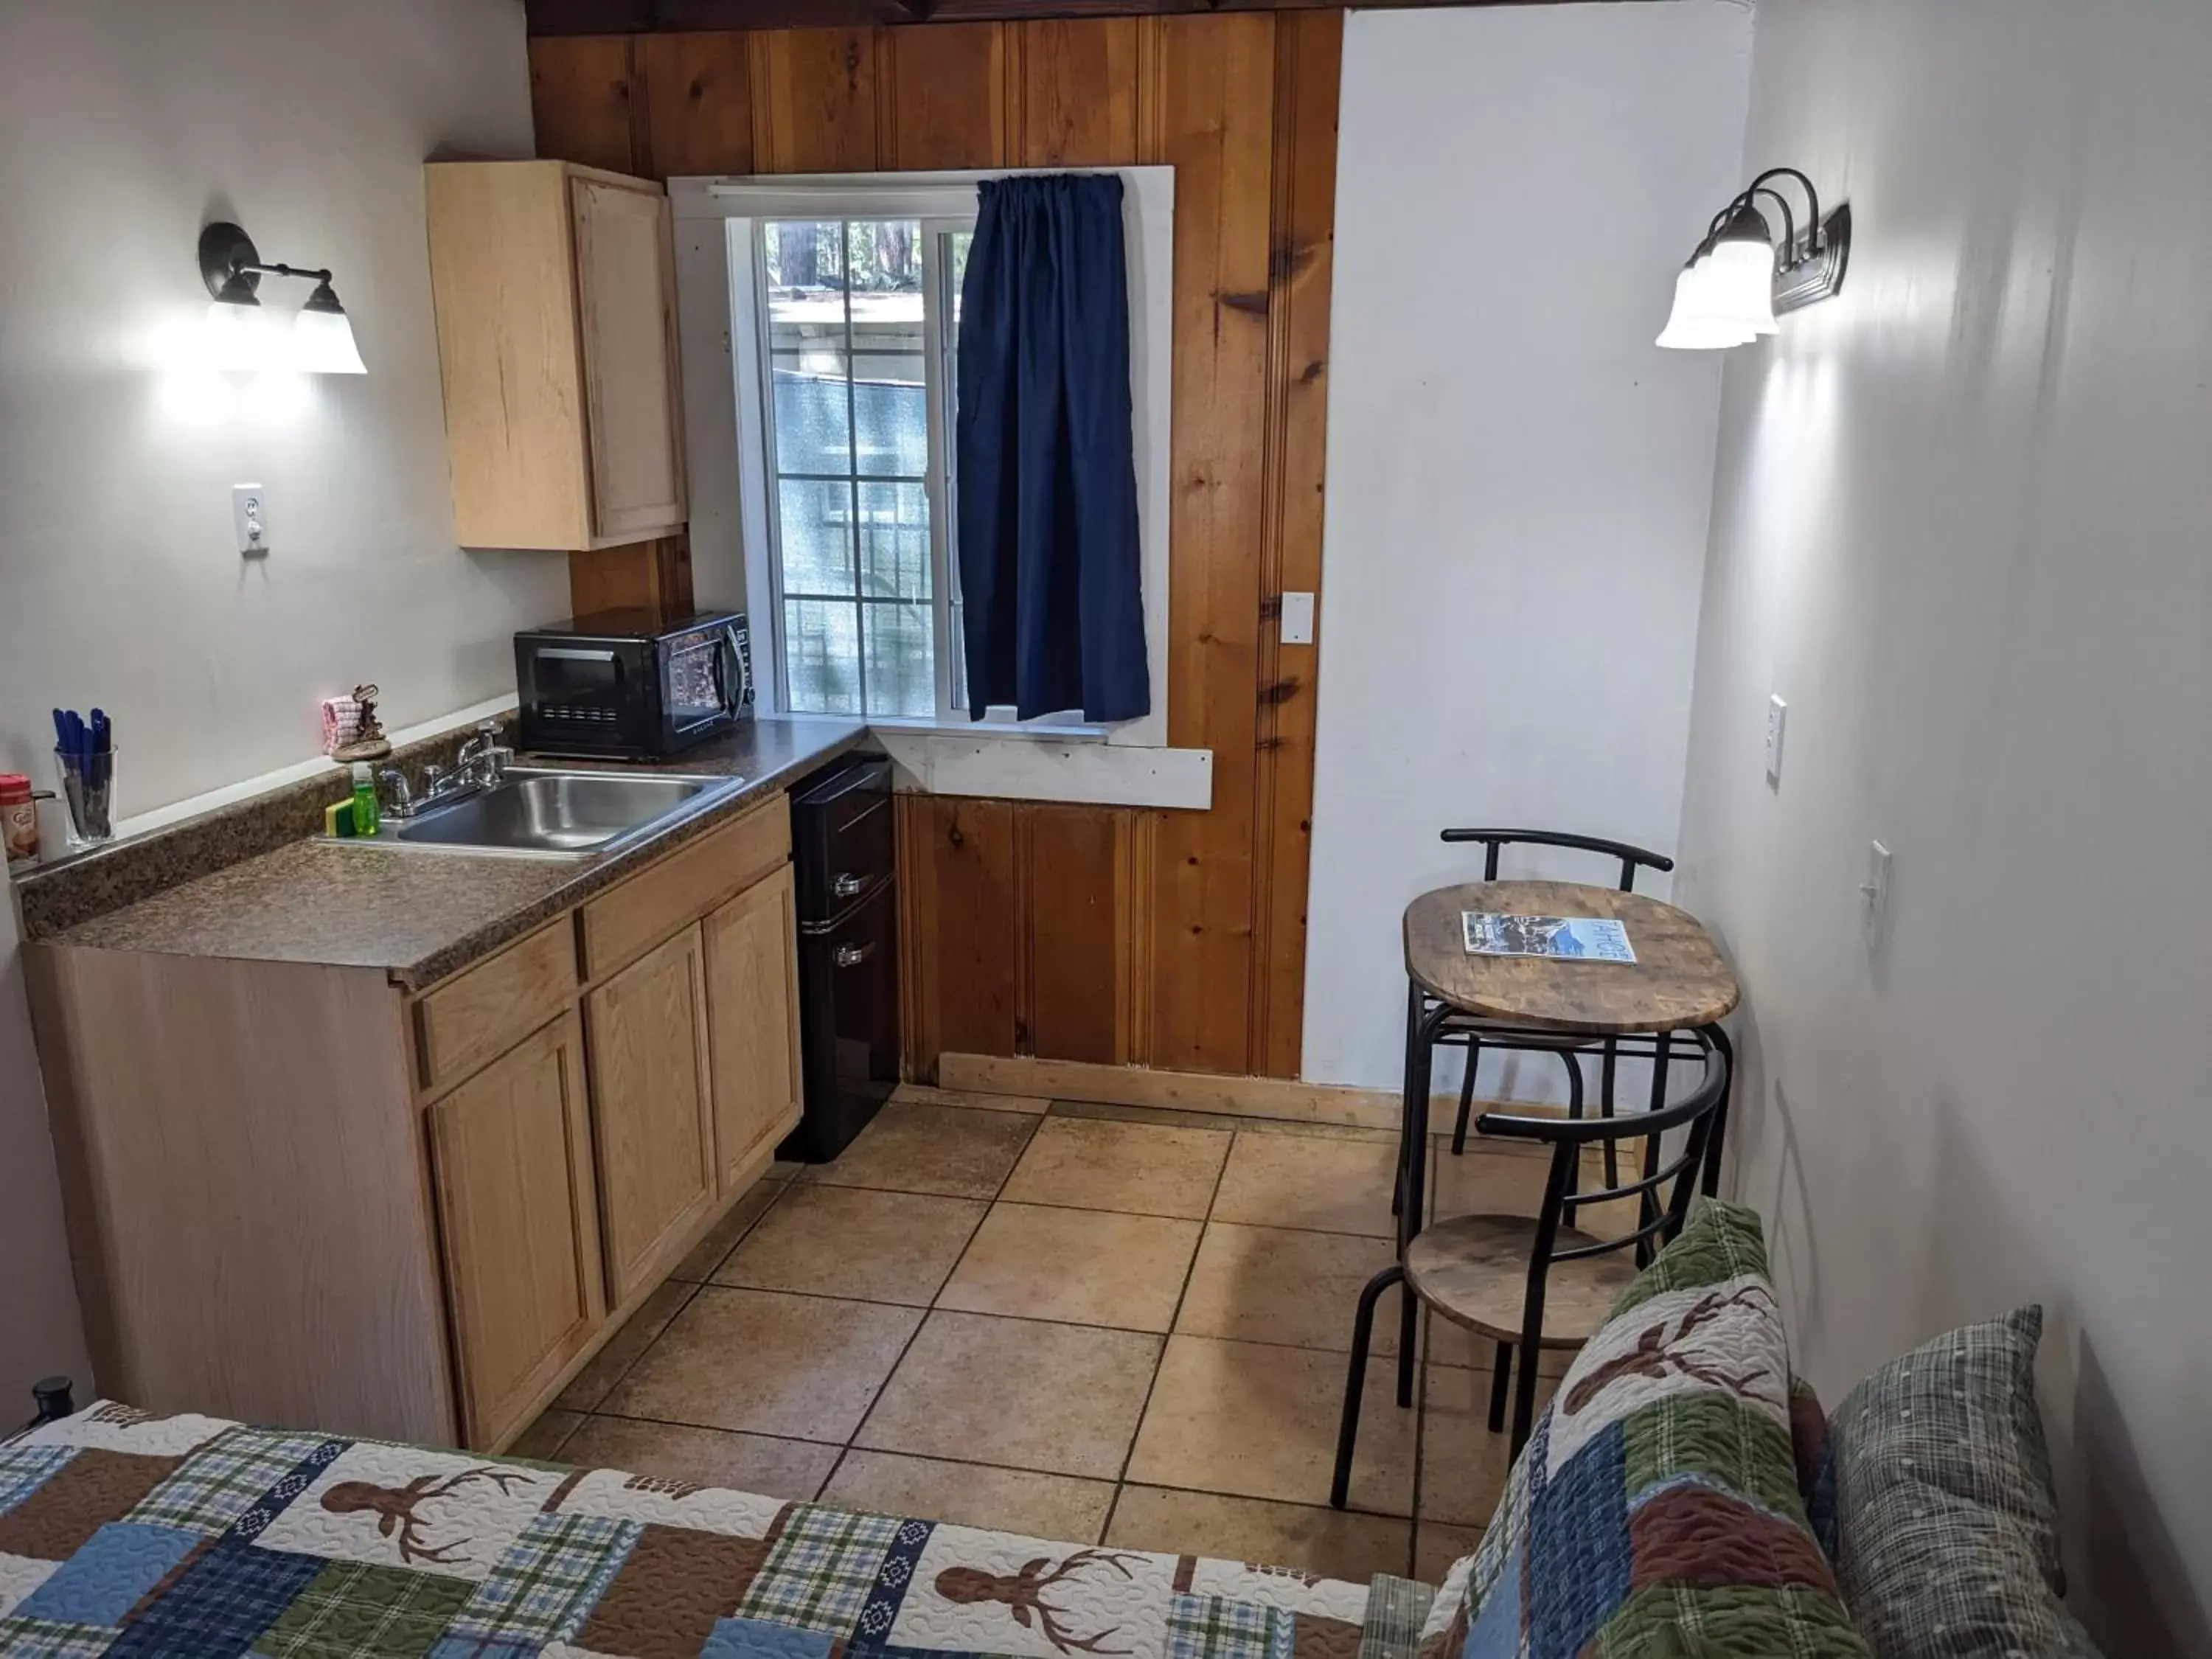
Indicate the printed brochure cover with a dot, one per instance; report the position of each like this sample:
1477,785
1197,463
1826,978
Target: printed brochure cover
1579,938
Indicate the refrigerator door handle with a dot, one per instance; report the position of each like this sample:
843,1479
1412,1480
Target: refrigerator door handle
852,955
848,886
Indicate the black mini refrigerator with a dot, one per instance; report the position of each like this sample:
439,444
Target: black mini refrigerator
845,864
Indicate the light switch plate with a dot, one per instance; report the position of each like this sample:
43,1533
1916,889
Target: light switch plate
1297,619
1873,891
249,518
1777,713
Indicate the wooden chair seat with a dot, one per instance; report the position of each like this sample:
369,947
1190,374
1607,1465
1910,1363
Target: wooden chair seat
1474,1270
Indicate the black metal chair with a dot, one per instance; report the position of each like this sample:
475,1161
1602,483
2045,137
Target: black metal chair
1531,1283
1472,1033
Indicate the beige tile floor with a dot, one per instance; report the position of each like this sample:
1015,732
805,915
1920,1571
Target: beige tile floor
1084,1322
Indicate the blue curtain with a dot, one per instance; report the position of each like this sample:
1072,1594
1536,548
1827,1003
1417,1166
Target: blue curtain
1050,574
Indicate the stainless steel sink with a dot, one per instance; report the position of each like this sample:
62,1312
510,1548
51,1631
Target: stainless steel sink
550,813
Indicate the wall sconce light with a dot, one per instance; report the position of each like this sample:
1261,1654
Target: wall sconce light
1738,282
239,335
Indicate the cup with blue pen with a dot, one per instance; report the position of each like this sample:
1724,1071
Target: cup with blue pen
84,750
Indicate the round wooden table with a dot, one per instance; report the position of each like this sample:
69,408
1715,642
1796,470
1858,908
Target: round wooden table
1678,981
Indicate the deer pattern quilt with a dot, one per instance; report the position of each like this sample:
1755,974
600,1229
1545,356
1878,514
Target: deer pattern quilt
122,1533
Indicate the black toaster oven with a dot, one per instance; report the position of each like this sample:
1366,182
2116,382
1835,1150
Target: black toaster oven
632,684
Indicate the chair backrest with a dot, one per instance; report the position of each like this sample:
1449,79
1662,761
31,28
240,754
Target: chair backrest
1664,1191
1632,858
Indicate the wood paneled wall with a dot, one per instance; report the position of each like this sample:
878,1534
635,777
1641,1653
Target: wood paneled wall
1175,939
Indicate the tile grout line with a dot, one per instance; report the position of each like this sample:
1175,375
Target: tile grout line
861,1426
1129,1452
690,1296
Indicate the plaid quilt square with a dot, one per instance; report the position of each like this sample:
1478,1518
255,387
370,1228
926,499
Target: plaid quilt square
43,1638
544,1587
822,1571
218,1603
24,1469
353,1607
222,1481
1213,1627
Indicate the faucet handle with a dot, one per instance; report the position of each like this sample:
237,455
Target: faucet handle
392,786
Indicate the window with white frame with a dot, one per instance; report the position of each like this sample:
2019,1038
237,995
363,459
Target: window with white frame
819,320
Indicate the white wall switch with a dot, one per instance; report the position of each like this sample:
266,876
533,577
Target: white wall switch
1873,891
1776,712
249,516
1298,618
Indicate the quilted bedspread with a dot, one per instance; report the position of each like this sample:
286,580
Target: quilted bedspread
123,1533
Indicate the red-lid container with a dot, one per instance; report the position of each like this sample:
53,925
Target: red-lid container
13,787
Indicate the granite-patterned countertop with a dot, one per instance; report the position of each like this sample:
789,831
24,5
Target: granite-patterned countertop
421,915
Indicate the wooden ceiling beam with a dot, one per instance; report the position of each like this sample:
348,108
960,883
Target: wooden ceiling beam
548,17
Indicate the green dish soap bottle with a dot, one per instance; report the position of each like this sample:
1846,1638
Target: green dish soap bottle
364,800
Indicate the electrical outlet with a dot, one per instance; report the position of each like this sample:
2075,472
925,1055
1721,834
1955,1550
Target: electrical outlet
249,517
1297,619
1777,711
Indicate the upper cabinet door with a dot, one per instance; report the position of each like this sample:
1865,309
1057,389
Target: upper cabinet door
651,1094
752,1007
626,299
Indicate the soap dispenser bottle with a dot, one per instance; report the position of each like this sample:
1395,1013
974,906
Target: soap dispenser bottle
364,800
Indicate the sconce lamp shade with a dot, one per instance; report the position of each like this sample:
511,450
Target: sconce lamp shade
322,337
1695,324
1739,271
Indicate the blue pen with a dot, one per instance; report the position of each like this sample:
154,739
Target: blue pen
102,746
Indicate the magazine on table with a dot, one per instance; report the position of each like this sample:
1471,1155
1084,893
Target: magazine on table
1572,938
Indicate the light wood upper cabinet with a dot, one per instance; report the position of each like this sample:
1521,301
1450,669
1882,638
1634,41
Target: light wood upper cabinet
653,1100
511,1150
752,1007
556,299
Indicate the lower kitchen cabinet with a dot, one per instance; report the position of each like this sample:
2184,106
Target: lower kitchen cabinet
653,1098
752,1007
511,1163
306,1194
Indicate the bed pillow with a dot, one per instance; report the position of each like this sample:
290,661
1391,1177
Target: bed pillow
1655,1510
1946,1528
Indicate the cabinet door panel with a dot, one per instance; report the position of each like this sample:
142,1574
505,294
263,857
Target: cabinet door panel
626,306
752,1005
511,1154
651,1099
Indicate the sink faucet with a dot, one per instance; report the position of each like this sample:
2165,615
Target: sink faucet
481,764
483,760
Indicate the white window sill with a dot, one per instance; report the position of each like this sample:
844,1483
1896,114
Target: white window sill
996,759
961,726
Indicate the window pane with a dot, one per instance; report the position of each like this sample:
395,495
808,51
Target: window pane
812,434
816,522
894,541
805,264
885,257
891,415
821,657
902,675
957,243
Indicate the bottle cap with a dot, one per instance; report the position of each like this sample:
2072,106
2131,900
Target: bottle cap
362,773
14,787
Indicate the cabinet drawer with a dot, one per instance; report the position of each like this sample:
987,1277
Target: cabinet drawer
683,886
492,1005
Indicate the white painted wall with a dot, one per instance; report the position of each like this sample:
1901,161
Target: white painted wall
123,127
1518,479
1963,522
